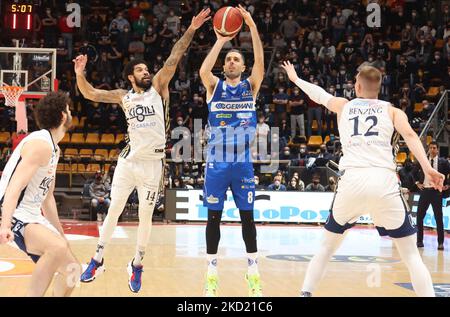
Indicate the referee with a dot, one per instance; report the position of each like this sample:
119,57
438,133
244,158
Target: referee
428,195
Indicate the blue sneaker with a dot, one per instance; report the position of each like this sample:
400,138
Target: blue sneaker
135,276
93,270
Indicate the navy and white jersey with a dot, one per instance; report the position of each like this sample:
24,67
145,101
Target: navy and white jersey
231,122
30,200
145,113
366,131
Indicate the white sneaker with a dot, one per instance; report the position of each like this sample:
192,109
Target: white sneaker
99,217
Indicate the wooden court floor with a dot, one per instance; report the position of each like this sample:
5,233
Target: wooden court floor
365,265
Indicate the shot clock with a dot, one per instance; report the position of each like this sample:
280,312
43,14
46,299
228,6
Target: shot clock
18,17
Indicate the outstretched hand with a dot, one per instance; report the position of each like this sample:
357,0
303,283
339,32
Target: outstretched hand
290,70
80,64
246,16
200,18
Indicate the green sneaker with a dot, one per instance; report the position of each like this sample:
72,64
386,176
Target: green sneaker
254,285
211,285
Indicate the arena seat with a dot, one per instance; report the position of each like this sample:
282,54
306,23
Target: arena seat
315,141
92,138
77,138
401,157
107,139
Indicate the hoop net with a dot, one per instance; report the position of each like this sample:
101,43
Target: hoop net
12,94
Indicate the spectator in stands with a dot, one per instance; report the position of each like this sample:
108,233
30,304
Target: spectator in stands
178,183
297,113
314,113
173,22
284,131
262,132
406,174
407,108
323,153
338,26
258,186
293,185
349,90
349,52
386,82
327,52
315,186
286,154
331,187
120,22
289,27
109,177
140,25
437,67
277,185
182,83
160,10
99,196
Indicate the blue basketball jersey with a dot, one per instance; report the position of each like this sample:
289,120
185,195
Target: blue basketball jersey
231,122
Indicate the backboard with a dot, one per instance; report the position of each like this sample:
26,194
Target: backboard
31,68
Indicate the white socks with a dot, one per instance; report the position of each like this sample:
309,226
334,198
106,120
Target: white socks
252,261
212,264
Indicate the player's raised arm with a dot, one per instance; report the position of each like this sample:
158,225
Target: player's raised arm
34,154
91,93
163,77
257,75
314,92
401,124
206,75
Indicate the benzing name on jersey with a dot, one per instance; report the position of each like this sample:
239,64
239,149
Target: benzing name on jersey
366,111
233,106
140,112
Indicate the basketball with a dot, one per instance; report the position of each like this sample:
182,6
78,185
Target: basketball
227,21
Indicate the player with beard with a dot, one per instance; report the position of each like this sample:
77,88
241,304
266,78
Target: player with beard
140,163
29,214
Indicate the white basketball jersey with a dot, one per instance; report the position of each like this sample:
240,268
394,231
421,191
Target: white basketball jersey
31,198
366,131
145,114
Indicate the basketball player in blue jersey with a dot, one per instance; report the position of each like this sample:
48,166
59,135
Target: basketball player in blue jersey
232,124
369,184
140,163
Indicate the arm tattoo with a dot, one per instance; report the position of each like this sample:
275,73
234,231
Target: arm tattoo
179,48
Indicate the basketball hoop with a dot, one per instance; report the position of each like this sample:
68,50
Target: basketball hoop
12,94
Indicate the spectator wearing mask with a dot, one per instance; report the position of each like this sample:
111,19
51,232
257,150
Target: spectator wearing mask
315,186
262,132
289,28
258,186
276,185
297,112
323,153
99,194
280,100
331,187
406,174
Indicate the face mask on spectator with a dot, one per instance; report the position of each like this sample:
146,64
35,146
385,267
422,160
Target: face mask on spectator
277,183
179,122
287,153
342,71
437,57
302,150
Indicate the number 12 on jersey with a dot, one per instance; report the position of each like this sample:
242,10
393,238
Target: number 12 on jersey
369,131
